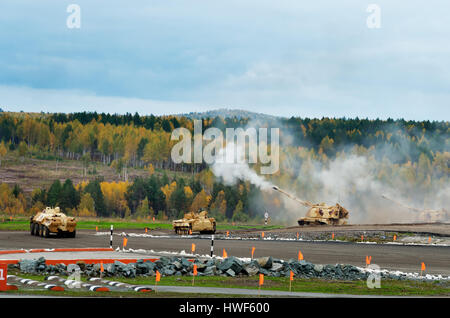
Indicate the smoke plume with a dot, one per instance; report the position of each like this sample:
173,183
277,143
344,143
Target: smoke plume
238,169
355,179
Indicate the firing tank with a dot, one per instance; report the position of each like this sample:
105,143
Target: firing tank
425,215
195,222
52,221
320,214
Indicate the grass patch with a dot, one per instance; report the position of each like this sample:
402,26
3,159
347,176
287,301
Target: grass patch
388,287
23,224
316,285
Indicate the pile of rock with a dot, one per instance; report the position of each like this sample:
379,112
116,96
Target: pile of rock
231,266
38,266
279,268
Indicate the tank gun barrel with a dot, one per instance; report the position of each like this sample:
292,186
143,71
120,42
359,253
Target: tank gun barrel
403,205
304,203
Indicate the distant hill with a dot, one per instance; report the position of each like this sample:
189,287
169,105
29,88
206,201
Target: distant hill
1,110
230,113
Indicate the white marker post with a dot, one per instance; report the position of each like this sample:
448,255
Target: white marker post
212,245
111,238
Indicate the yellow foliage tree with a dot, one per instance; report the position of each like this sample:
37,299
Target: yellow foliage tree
150,169
114,196
201,201
86,207
168,190
3,151
220,204
188,192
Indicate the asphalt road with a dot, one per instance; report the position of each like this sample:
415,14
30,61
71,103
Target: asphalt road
405,258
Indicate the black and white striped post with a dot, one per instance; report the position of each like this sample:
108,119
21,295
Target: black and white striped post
110,240
212,245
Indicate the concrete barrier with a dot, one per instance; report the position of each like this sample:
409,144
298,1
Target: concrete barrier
75,284
136,288
33,283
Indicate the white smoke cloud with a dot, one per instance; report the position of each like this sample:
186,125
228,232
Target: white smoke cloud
350,182
238,169
357,181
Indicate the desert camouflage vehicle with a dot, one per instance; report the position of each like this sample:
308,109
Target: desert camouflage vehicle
195,222
425,215
320,214
52,221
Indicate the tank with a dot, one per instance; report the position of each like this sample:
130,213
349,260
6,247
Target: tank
434,216
51,221
195,222
425,215
320,214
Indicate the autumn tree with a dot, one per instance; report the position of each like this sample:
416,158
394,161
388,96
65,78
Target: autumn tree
200,202
143,209
87,205
238,213
3,151
114,196
220,204
12,203
23,150
94,189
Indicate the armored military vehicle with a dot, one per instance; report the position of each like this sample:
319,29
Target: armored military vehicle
425,215
320,214
195,222
52,221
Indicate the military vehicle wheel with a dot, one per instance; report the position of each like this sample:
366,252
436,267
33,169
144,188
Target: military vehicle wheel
71,234
46,232
32,228
41,230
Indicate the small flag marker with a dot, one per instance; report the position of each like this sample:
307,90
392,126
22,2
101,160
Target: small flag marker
291,278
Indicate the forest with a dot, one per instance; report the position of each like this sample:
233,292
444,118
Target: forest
409,156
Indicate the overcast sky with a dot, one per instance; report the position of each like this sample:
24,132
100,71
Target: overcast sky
288,58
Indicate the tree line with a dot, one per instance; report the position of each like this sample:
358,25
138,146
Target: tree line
144,197
134,140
